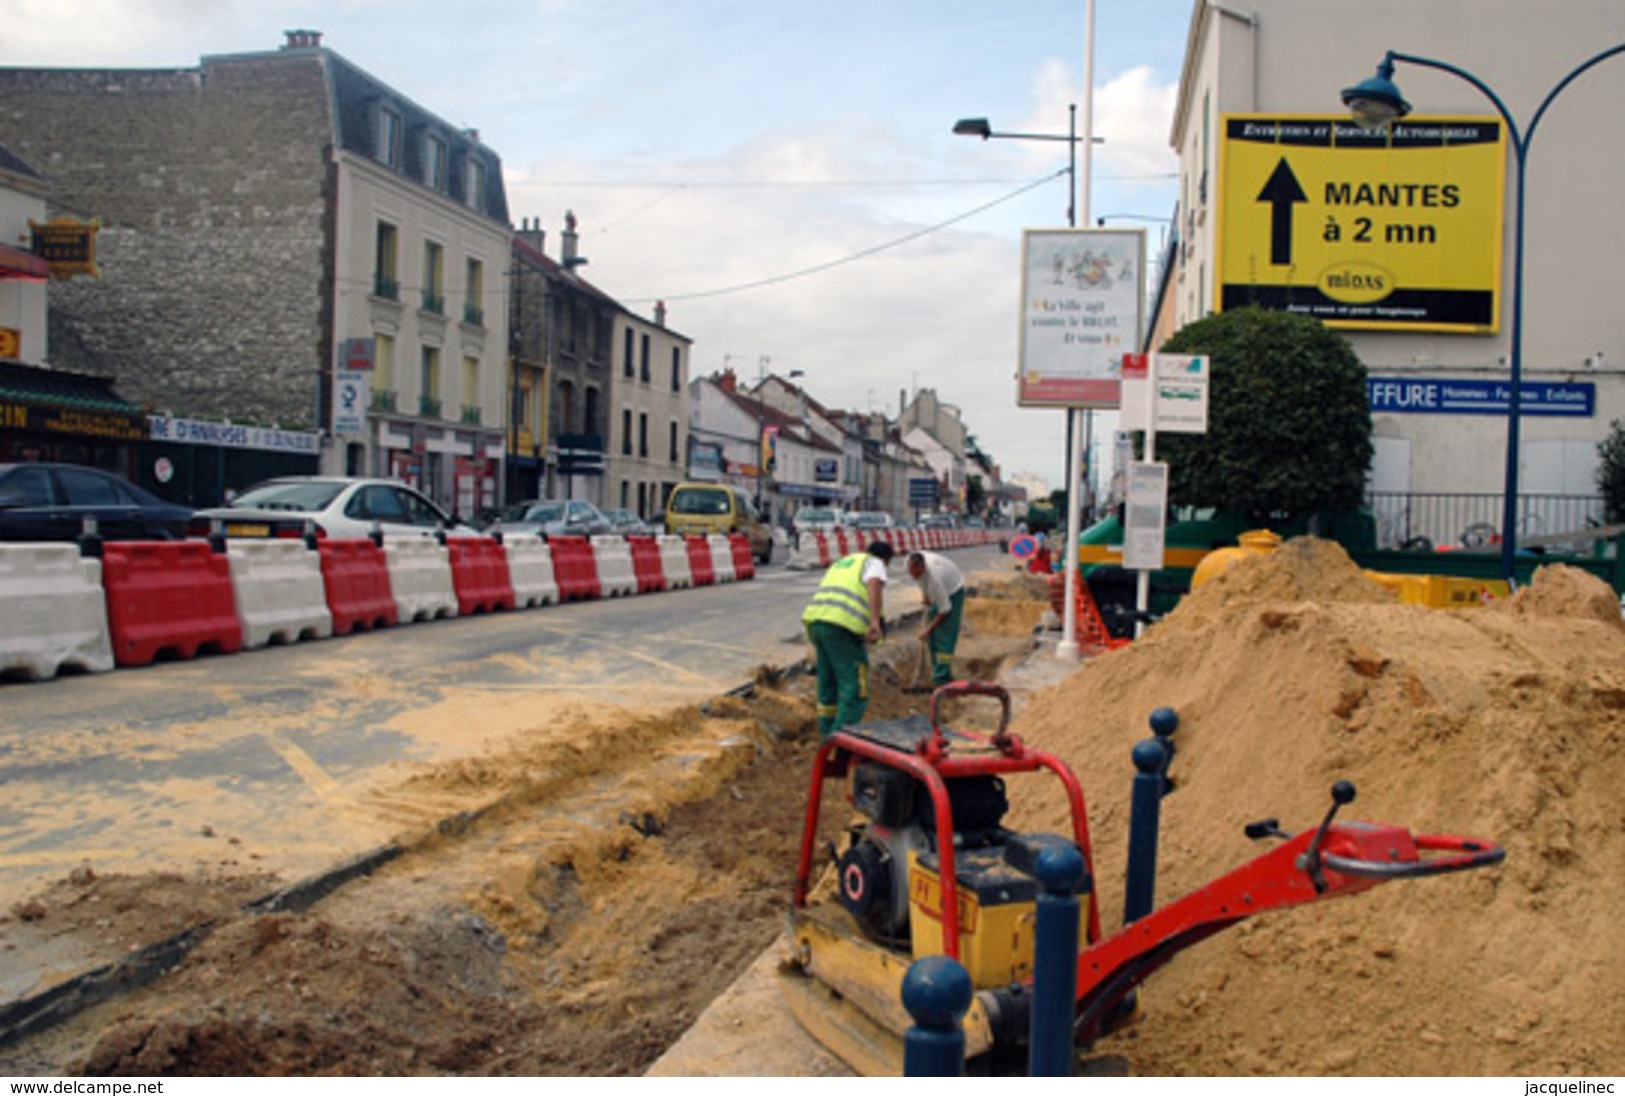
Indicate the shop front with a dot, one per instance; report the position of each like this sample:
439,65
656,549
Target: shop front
74,418
199,463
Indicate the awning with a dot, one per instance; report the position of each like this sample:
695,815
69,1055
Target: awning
58,402
22,265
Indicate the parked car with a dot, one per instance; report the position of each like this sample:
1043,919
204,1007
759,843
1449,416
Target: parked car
817,519
872,521
707,508
628,524
40,502
938,521
554,518
336,506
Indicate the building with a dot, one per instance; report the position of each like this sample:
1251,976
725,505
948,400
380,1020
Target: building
936,430
1404,239
648,450
728,432
287,244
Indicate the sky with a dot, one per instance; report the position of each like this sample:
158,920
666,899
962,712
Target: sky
784,176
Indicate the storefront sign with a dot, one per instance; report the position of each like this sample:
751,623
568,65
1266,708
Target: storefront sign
232,435
66,420
68,245
1435,396
352,395
827,470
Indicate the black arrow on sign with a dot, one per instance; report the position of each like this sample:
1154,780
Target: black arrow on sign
1281,192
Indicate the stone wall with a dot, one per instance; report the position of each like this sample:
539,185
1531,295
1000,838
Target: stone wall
212,186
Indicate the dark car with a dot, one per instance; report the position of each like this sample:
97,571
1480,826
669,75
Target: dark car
562,517
51,502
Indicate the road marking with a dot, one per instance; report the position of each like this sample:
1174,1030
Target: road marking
313,774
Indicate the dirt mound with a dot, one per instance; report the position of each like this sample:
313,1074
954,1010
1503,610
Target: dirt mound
1004,616
1018,584
1291,671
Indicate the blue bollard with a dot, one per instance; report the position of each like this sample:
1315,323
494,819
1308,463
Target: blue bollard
1145,811
1164,722
937,994
1059,869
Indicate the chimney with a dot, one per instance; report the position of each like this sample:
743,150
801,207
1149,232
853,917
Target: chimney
729,381
660,313
568,241
302,39
902,401
531,233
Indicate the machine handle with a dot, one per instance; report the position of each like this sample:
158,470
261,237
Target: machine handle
1461,854
972,688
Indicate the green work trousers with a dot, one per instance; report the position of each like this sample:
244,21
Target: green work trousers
943,639
843,676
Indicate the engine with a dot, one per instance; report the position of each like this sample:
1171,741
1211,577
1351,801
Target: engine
899,821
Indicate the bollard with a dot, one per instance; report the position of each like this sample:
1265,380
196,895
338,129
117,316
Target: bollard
1058,866
1164,722
1145,810
937,994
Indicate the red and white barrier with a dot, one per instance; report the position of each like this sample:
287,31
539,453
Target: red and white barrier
420,576
279,591
674,562
722,558
530,570
613,557
54,612
168,598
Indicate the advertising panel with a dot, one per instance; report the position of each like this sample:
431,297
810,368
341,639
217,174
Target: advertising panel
1083,306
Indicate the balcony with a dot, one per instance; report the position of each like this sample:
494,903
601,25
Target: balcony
386,287
429,407
471,415
434,302
473,315
383,399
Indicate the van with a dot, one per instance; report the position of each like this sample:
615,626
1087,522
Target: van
705,509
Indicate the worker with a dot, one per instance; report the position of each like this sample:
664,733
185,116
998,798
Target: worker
943,587
842,619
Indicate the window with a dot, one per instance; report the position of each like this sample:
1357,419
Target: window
476,185
389,137
435,162
626,493
643,435
385,279
643,499
86,488
434,258
429,382
672,434
471,390
626,362
27,487
567,406
676,369
383,373
474,294
643,360
589,409
626,432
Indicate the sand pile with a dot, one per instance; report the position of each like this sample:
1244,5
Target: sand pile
1291,671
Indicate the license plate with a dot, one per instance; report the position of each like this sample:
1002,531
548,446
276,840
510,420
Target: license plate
247,529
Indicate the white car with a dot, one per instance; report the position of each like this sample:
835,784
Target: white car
334,506
818,519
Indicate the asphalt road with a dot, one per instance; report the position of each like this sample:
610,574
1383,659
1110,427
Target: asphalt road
250,761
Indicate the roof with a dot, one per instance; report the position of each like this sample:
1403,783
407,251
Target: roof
59,388
16,165
769,416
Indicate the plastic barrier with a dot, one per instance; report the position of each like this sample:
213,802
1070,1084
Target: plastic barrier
55,614
168,597
674,562
646,564
826,549
722,558
479,575
530,569
842,546
613,557
279,591
355,574
575,568
420,576
699,561
744,561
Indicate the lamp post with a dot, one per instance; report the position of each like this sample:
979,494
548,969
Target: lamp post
979,127
1376,103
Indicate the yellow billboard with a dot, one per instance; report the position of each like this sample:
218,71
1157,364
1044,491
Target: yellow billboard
1396,229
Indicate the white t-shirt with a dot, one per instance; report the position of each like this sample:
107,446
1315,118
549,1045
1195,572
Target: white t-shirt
941,581
874,568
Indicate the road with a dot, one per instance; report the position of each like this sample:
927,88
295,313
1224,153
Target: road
265,760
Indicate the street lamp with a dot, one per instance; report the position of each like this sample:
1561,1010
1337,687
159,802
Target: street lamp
1376,103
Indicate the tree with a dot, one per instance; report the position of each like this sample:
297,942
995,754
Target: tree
1289,430
1611,472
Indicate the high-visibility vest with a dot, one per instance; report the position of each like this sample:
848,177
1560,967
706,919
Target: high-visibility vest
842,598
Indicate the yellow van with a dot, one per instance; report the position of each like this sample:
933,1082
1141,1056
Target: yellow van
704,509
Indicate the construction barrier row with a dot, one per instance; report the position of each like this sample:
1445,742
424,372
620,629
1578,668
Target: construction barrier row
98,605
812,550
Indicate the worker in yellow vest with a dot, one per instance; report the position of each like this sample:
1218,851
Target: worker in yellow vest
842,619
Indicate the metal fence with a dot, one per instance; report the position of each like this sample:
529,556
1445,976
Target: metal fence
1474,521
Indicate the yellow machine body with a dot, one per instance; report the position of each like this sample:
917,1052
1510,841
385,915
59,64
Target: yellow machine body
998,910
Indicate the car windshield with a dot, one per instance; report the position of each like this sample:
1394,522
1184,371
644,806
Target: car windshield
541,515
288,496
871,521
621,517
812,515
703,501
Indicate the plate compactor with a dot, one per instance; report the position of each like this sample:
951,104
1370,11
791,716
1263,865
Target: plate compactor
930,869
